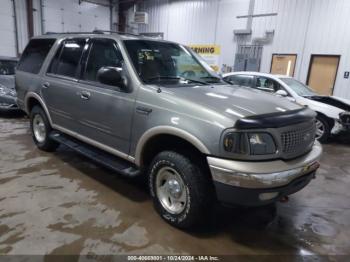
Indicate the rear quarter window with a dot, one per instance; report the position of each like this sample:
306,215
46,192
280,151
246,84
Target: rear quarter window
34,55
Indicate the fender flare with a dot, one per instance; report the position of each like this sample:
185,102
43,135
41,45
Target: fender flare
41,102
167,130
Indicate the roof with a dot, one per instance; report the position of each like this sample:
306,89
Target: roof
256,74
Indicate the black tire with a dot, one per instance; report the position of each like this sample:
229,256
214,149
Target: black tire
326,129
47,144
200,197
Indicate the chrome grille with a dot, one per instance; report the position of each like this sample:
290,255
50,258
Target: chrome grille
298,140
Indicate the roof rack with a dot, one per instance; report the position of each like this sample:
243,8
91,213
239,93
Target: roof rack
97,31
73,33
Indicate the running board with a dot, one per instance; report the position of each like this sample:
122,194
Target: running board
104,158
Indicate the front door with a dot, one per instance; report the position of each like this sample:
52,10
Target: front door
322,73
105,112
59,85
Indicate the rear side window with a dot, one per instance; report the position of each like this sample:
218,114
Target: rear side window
34,55
67,59
241,80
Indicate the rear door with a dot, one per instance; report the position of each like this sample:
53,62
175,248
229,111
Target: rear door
105,112
59,86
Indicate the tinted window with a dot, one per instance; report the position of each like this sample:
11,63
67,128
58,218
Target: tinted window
267,84
241,80
67,58
103,53
34,55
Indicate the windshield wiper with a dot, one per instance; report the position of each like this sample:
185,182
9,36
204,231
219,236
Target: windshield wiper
176,78
218,79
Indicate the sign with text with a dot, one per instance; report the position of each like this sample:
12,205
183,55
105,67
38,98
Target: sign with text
210,54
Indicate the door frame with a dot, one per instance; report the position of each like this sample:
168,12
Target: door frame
291,54
312,56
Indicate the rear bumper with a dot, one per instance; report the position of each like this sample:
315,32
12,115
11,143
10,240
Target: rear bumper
247,183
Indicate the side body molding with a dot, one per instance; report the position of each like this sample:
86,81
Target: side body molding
40,100
167,130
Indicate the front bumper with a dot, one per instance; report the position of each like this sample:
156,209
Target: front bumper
8,103
345,120
259,183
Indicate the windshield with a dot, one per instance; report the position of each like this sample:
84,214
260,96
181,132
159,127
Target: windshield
157,62
7,67
298,87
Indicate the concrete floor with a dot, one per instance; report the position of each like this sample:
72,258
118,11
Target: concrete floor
61,203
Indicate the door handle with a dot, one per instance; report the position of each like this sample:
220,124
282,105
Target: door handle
46,85
85,95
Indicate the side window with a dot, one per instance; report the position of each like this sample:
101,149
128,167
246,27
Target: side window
102,53
34,55
67,58
267,84
241,80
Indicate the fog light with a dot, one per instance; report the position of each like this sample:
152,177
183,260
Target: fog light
268,196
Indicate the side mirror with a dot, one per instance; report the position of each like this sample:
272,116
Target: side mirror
110,76
281,93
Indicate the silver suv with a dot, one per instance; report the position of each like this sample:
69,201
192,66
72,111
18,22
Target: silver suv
145,107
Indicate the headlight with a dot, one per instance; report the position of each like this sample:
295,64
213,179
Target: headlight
236,143
261,144
249,143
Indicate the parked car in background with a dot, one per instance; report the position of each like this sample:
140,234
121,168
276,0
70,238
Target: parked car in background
333,113
7,83
153,108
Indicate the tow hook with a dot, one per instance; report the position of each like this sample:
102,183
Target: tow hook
284,199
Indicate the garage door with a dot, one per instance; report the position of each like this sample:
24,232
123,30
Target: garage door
322,73
7,29
84,17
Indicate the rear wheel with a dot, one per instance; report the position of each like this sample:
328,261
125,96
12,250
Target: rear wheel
180,190
323,129
41,129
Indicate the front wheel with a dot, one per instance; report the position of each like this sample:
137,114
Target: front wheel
180,190
40,127
323,129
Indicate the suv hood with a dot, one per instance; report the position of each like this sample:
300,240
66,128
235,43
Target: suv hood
234,102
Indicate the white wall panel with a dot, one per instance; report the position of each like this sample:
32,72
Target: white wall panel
22,26
7,29
70,16
188,22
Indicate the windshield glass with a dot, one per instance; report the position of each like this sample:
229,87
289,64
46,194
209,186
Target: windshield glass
168,62
298,87
7,67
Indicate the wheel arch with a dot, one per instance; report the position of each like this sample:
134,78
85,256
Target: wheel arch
155,138
33,99
330,121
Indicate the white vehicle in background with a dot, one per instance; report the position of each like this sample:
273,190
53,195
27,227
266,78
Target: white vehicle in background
333,113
